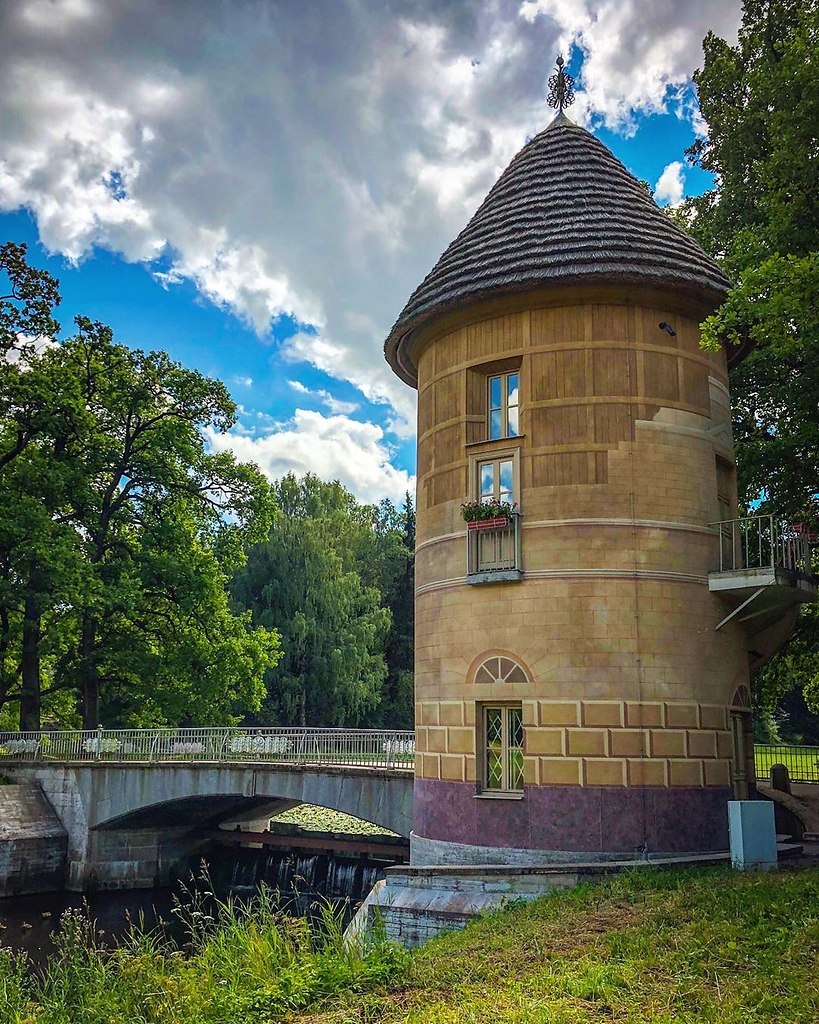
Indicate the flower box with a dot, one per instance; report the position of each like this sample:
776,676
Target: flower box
488,524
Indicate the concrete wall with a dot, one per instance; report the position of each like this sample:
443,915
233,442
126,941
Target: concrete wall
127,825
33,842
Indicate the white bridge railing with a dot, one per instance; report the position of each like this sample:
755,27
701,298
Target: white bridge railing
364,748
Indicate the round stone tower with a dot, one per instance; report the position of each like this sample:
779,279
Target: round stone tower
575,697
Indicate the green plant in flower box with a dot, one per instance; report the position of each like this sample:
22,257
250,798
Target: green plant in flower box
476,511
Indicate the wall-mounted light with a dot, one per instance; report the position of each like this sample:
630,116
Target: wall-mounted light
667,328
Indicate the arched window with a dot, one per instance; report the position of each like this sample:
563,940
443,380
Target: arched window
741,698
501,669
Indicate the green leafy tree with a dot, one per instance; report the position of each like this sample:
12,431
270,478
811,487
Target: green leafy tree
119,530
308,578
761,101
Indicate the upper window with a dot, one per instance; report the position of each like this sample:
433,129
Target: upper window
504,401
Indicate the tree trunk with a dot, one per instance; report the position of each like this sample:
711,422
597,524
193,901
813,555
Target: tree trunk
30,662
90,691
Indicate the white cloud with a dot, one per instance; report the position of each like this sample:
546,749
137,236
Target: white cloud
335,405
309,160
670,185
332,447
242,382
636,53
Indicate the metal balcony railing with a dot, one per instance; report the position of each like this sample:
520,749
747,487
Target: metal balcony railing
763,542
493,549
364,748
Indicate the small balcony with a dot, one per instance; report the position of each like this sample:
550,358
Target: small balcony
765,567
493,550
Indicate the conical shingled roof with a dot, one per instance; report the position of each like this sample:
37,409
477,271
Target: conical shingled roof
564,212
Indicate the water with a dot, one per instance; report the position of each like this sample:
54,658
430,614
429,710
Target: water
28,922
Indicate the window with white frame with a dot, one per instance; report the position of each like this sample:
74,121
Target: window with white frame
502,748
496,480
504,405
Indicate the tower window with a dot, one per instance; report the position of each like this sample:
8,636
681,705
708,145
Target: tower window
503,747
496,480
504,402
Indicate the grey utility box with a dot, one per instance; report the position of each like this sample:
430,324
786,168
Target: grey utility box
753,835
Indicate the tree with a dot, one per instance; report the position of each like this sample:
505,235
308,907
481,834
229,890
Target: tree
319,576
761,101
119,530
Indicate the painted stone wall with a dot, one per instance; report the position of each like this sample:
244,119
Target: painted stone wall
624,433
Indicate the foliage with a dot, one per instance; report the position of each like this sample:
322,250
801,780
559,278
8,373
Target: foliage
649,947
761,101
119,530
479,511
325,576
240,963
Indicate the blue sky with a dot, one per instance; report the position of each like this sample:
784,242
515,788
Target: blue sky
267,228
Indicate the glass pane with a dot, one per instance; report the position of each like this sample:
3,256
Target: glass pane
494,748
512,389
513,421
495,424
506,488
495,393
515,742
487,479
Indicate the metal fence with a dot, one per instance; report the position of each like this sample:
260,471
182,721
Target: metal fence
763,542
802,762
366,748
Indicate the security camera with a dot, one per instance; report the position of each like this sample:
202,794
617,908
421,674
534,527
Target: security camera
667,328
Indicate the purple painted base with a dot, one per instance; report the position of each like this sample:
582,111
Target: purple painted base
575,818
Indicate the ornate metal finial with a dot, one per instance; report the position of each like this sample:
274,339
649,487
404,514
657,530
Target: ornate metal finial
561,87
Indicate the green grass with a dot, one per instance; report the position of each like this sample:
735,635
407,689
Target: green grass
683,947
801,762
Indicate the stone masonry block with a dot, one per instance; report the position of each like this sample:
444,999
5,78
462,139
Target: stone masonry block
645,772
471,769
451,712
436,740
725,744
559,712
681,716
684,773
586,742
604,772
644,713
667,743
560,771
529,710
628,742
429,713
712,716
702,744
602,713
531,774
469,712
431,766
420,739
452,767
544,741
461,741
717,773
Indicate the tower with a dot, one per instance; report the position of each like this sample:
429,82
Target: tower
581,692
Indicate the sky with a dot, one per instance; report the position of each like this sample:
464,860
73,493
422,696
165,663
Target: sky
257,186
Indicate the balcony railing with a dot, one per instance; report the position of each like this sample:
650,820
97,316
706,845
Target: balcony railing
493,552
763,542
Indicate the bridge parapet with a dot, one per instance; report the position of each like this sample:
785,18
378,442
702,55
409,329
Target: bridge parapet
361,748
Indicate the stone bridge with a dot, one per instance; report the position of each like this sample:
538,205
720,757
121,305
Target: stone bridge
128,822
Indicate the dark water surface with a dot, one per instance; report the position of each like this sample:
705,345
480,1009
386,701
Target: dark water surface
28,922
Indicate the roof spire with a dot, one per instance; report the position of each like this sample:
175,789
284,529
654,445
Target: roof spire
561,88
